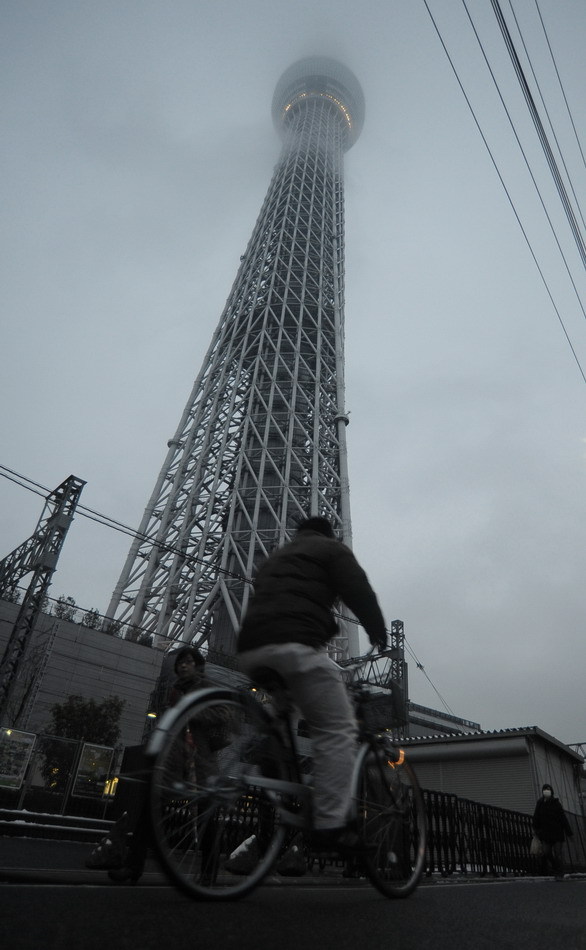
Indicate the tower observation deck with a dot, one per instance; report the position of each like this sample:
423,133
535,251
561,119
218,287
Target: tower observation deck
261,443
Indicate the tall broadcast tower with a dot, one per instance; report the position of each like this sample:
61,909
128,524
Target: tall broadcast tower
261,443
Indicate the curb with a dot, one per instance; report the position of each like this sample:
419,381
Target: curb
156,878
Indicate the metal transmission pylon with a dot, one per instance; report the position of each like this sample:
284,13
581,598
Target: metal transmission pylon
37,556
261,443
386,674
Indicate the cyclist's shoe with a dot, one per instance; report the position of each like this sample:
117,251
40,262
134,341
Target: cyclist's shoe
292,863
245,857
345,841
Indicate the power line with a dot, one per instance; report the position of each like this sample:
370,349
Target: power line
561,189
551,125
108,522
30,485
416,660
561,84
510,200
526,160
422,669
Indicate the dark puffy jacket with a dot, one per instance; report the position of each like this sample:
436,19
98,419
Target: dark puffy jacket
550,822
207,733
296,588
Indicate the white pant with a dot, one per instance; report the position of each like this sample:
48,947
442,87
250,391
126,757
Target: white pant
315,685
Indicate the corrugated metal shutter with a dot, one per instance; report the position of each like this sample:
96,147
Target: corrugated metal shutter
504,782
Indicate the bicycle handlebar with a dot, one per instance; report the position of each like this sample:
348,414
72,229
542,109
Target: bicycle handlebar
355,663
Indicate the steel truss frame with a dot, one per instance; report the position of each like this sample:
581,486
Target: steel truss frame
389,672
261,443
37,555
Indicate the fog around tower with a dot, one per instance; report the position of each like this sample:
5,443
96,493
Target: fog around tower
139,147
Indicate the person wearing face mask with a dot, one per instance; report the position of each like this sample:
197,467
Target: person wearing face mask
551,827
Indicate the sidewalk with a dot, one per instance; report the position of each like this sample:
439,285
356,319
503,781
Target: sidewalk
47,861
50,861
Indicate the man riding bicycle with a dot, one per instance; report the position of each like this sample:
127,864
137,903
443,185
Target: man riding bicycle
286,628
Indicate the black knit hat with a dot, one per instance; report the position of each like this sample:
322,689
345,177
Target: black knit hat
321,525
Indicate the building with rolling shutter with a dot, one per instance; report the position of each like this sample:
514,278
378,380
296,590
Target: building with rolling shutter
506,769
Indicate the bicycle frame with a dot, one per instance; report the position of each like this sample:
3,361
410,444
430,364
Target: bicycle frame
199,823
271,787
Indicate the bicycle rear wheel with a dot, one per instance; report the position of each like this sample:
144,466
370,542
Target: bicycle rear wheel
215,831
391,819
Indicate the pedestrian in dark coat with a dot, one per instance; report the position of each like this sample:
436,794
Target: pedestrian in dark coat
195,756
207,734
551,826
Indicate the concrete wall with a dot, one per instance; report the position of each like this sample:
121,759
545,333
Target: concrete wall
75,660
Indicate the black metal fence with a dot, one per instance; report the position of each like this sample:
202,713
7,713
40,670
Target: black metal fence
463,837
466,837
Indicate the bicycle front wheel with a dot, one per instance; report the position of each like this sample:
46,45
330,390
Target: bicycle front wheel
391,819
215,831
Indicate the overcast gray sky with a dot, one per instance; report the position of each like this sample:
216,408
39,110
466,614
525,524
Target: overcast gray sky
138,147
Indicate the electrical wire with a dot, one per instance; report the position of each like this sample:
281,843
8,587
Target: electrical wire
551,125
561,85
416,660
108,522
526,160
550,158
422,669
507,193
30,485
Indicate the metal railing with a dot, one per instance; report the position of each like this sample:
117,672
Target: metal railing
463,837
467,837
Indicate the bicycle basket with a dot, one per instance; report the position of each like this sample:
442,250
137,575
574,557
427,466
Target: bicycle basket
377,712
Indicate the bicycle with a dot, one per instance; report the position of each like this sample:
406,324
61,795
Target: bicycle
247,789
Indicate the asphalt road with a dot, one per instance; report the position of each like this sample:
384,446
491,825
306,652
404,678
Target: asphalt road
513,915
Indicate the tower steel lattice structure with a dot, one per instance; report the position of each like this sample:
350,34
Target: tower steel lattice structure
261,442
37,556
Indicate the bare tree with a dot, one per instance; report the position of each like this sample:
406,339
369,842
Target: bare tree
91,618
64,609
